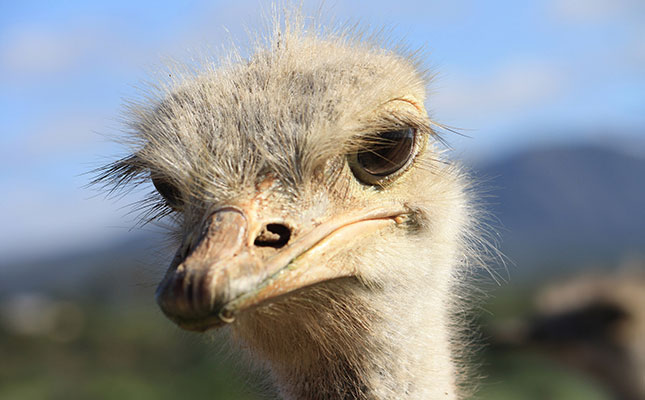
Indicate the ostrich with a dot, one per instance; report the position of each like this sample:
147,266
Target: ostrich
593,323
316,217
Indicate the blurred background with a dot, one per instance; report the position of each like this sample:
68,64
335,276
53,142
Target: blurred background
550,97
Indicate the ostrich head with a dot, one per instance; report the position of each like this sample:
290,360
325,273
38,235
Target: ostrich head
315,215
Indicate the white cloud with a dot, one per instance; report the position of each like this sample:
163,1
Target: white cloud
510,90
36,51
36,54
67,134
594,10
410,11
636,49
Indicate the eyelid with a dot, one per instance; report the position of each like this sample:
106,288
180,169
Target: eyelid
410,101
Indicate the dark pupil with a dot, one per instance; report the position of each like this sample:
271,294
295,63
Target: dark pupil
167,191
389,152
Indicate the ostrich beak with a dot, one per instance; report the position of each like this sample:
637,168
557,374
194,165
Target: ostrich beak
225,273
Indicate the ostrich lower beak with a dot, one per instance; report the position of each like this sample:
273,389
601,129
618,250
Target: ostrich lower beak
225,274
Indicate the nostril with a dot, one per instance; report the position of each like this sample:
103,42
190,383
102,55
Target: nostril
273,235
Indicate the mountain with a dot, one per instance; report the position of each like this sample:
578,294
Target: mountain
109,270
567,205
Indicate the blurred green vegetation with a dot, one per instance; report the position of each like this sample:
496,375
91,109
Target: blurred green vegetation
529,376
118,352
99,349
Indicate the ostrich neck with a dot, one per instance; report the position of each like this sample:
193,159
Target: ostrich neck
398,350
338,378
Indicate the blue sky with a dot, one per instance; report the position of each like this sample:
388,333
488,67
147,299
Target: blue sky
512,74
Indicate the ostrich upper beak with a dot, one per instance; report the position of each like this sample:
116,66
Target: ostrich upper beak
225,272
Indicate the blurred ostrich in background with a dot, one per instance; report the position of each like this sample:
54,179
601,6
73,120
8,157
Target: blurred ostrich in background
316,215
593,323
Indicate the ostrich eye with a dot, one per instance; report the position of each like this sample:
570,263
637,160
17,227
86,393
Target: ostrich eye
386,154
168,191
